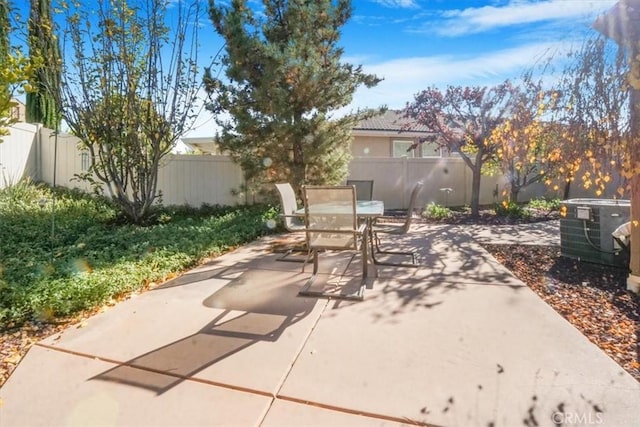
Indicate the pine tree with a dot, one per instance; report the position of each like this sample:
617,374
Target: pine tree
4,29
43,102
285,82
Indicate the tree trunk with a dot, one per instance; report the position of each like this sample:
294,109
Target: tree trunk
567,190
634,263
298,166
633,282
515,191
475,191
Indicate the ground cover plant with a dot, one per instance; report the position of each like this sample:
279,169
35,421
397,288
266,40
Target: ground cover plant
63,252
56,270
510,209
436,211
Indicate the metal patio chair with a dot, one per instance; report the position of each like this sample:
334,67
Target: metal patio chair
332,225
292,222
397,229
364,188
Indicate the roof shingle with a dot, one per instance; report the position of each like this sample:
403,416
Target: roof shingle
391,120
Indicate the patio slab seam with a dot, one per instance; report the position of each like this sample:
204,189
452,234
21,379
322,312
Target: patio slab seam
367,414
301,348
293,362
159,371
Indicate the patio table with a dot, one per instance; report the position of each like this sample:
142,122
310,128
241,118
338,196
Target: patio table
367,210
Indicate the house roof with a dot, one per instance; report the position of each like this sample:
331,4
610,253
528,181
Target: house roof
391,123
18,110
206,145
391,120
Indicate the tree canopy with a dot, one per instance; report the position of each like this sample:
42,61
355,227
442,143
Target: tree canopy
592,116
526,143
129,91
285,82
461,120
15,70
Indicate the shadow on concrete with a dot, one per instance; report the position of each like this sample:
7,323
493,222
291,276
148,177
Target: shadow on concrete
256,306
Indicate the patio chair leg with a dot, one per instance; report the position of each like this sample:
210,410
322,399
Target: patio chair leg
413,263
306,292
285,257
306,260
365,257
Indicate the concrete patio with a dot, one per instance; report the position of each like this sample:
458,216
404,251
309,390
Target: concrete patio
457,342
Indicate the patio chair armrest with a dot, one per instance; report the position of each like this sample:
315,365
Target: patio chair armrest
358,231
290,216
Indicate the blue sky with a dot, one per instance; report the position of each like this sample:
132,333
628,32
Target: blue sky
414,44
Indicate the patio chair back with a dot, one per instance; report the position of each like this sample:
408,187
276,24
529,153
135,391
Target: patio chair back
330,217
364,188
292,222
412,204
332,224
395,229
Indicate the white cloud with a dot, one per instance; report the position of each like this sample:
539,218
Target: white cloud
405,77
475,20
405,4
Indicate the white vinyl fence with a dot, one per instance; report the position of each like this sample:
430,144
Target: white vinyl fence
182,179
18,156
33,151
447,180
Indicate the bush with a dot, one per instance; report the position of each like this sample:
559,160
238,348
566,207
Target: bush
549,205
510,209
436,211
21,196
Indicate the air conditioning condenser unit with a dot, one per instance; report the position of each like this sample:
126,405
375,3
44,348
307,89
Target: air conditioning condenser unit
585,230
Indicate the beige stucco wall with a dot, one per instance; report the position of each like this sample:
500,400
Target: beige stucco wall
371,147
365,145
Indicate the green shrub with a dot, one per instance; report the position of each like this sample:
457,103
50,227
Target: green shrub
510,209
21,196
436,211
549,205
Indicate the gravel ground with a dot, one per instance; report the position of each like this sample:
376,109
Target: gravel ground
592,297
